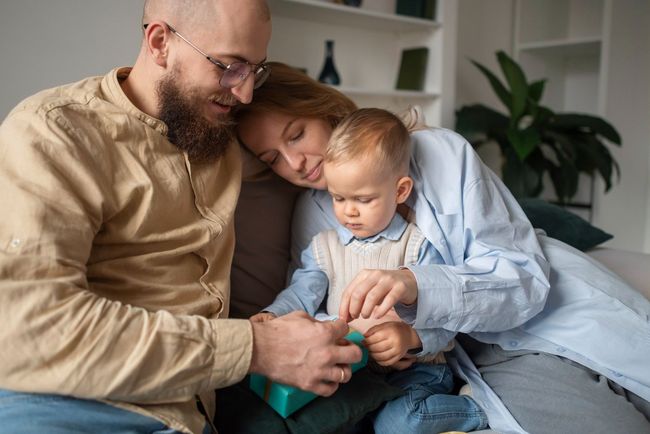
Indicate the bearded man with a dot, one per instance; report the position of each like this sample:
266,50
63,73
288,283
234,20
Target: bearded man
117,239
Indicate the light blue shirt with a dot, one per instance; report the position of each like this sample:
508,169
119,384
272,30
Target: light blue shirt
309,284
500,281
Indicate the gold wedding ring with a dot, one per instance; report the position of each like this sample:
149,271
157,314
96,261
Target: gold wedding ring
342,374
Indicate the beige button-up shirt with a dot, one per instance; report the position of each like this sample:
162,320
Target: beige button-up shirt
115,255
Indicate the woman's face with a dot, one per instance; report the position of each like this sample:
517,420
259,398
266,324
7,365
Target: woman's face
294,147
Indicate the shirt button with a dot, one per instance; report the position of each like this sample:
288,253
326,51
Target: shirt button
561,349
429,322
443,241
15,242
514,343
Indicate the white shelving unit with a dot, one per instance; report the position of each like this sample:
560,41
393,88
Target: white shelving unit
563,47
328,13
367,49
386,93
562,41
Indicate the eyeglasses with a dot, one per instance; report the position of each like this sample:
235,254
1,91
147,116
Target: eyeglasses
235,73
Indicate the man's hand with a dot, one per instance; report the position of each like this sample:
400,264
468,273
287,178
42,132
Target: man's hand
262,317
377,288
389,342
297,350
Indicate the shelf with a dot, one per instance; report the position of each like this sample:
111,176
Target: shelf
341,15
389,93
563,47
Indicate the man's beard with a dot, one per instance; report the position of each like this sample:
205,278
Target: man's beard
187,129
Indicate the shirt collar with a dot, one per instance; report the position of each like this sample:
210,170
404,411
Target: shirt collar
114,93
393,232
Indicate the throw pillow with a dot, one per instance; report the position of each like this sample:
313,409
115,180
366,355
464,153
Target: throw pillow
563,225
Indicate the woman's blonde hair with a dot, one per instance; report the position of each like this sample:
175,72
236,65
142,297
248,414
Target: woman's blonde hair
374,133
292,92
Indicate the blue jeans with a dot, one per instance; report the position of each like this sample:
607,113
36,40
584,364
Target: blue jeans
27,413
427,406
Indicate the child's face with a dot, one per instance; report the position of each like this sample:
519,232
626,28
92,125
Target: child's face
365,198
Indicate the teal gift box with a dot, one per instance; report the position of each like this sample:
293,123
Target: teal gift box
287,399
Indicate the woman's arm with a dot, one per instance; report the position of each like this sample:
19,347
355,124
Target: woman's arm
493,275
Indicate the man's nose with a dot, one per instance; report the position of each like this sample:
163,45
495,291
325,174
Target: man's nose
244,92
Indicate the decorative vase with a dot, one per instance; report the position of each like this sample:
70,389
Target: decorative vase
329,74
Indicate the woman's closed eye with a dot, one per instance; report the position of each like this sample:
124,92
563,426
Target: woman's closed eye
297,136
271,159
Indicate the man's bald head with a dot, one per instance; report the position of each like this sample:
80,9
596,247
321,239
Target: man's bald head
198,14
184,90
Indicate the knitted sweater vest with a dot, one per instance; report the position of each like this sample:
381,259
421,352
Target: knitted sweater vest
342,263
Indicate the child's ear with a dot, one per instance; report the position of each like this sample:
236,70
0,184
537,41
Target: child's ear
404,187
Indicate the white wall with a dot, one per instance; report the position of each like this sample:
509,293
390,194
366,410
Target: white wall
45,43
487,26
484,27
625,210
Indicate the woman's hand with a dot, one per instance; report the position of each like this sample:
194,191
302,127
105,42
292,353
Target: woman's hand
262,317
389,342
377,288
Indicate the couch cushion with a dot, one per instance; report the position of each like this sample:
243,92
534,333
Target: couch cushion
563,225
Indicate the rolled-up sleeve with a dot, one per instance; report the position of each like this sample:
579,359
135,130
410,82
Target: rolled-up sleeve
494,275
502,283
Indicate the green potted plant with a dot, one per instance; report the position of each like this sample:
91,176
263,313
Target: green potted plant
533,139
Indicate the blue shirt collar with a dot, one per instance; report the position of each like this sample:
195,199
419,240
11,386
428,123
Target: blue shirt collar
393,232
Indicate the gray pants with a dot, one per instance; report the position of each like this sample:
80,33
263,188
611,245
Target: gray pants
551,394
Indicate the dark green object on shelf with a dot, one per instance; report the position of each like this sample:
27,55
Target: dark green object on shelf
417,8
429,11
413,69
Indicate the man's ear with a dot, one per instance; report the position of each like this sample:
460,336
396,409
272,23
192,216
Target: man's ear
156,37
404,187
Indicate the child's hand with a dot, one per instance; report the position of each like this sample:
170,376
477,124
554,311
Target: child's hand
388,342
262,317
375,292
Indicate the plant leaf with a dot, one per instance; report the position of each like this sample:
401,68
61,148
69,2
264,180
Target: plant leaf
589,154
565,180
518,86
602,159
536,89
522,180
502,92
478,123
524,141
591,123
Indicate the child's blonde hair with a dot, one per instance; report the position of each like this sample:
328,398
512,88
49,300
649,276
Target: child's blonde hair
371,132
